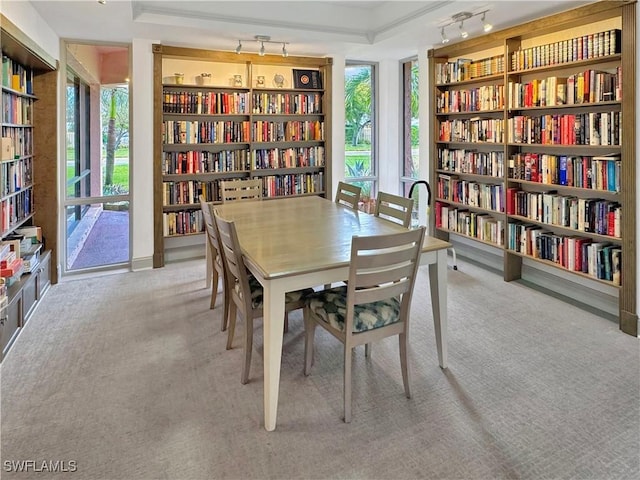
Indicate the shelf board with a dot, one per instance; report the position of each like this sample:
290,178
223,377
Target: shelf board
486,242
285,144
270,116
168,177
469,207
17,192
486,78
18,93
16,225
566,106
498,145
17,159
260,172
569,230
478,176
599,148
566,188
172,87
185,234
226,116
180,207
17,125
288,90
477,112
214,147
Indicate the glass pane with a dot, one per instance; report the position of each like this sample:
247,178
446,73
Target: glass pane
97,234
114,164
359,128
72,129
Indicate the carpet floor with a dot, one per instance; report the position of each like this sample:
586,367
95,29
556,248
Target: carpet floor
127,376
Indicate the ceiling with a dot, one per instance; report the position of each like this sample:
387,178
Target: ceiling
362,30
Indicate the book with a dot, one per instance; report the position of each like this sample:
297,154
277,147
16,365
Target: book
309,79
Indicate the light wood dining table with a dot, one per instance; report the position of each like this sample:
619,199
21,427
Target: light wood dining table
299,242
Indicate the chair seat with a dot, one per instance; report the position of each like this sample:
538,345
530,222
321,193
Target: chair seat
331,306
257,293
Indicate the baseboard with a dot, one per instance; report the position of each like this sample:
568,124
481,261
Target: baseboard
142,263
584,293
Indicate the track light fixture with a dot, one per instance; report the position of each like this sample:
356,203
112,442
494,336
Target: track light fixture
444,37
262,39
460,18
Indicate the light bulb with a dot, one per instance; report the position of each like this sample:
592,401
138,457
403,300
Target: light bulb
463,32
487,27
239,47
284,50
444,36
261,53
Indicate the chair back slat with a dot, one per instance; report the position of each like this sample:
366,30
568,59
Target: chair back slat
394,208
348,195
241,190
381,292
211,231
377,277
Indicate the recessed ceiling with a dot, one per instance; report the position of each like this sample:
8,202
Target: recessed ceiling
359,30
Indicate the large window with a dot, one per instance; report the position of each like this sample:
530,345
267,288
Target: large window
410,131
360,127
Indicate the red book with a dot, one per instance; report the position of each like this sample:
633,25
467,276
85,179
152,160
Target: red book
11,269
511,200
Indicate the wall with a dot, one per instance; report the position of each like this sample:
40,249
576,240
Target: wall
27,19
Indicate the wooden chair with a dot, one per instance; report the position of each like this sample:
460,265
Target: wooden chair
348,195
373,305
394,208
215,260
246,293
238,190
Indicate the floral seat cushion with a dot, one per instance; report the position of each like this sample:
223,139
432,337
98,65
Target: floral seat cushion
257,293
330,305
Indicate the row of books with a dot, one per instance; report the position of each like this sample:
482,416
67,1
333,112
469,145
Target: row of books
597,173
194,161
590,86
286,103
472,224
486,97
593,128
19,253
293,184
471,161
187,192
228,131
294,131
16,110
581,214
182,223
20,139
472,130
16,76
15,208
601,260
14,176
207,103
585,47
467,69
474,194
288,157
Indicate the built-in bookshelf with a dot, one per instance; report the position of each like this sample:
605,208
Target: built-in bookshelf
219,116
534,148
27,269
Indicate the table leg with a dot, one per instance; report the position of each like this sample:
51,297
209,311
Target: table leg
438,286
273,328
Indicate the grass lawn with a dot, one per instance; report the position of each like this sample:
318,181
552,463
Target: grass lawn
120,177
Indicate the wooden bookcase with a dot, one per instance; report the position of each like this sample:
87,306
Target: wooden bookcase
28,179
534,150
220,115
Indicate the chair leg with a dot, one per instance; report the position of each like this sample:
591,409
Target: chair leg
367,350
309,330
225,316
248,348
404,365
347,384
233,312
214,288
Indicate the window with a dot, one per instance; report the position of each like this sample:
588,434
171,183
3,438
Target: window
360,127
410,131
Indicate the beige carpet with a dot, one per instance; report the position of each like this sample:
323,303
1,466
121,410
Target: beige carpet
127,376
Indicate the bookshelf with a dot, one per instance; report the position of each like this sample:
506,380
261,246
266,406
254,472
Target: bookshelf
219,115
534,149
27,179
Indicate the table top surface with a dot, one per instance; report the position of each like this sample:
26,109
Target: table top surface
293,236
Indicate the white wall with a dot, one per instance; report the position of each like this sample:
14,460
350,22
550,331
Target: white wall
337,120
142,154
388,117
27,19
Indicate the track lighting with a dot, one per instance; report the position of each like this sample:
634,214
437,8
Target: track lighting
486,26
262,40
459,18
444,37
463,32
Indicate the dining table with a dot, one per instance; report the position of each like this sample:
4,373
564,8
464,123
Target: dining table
298,242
